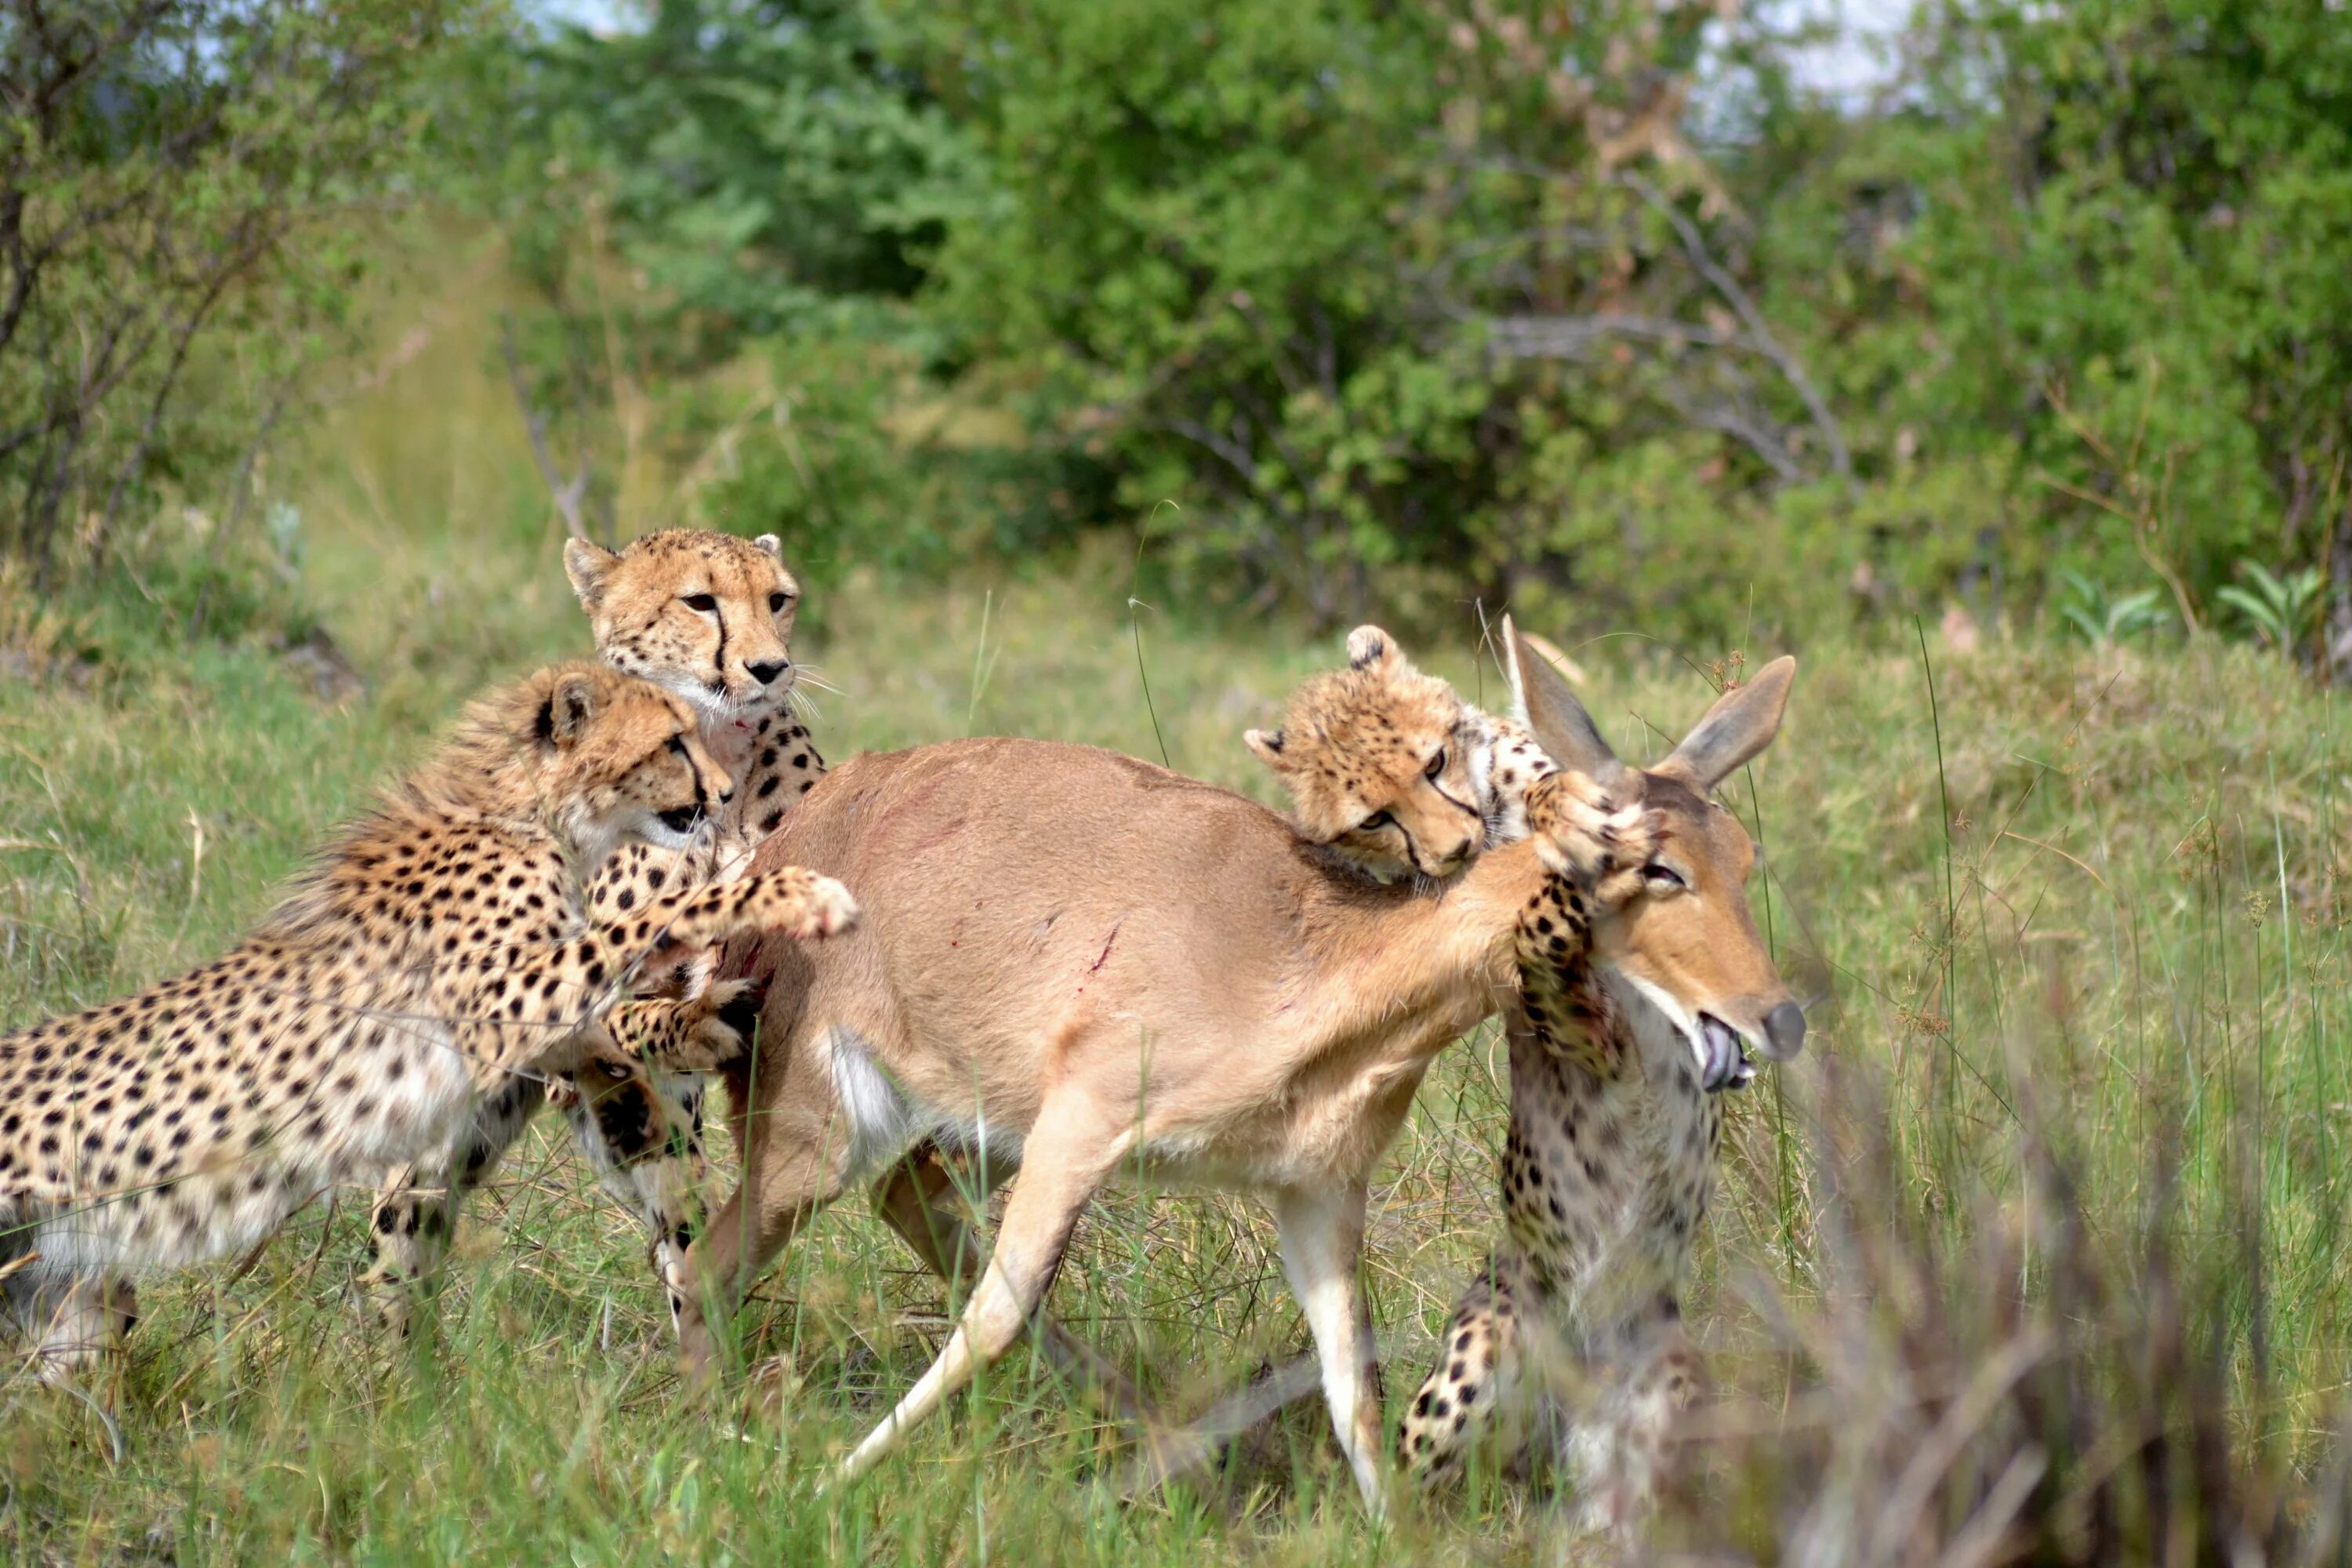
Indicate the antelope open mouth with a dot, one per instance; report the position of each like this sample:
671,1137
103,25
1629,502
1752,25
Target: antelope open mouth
1723,1059
683,820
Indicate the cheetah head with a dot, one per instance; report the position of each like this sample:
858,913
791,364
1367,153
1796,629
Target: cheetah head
1670,903
706,615
619,757
1380,763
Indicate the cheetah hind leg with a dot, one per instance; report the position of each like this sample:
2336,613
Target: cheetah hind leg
1617,1448
74,1321
416,1212
1471,1403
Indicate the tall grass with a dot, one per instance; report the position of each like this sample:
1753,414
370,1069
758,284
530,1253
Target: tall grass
2054,1199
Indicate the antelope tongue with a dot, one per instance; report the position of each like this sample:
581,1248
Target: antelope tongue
1724,1062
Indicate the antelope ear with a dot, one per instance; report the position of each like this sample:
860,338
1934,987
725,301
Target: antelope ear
588,563
1740,724
772,544
1368,647
571,704
1267,744
1549,651
1541,700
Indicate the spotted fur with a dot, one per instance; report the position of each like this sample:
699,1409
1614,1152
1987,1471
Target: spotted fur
708,616
1393,771
438,955
1606,1175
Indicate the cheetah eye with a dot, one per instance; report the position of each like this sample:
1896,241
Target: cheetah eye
1376,820
1436,765
702,602
678,745
776,603
1663,877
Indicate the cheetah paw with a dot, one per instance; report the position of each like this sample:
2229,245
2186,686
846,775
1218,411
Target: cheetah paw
725,1015
1587,832
797,903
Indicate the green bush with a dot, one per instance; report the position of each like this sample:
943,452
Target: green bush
185,188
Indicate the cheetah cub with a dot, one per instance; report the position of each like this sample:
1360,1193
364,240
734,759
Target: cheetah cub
1392,772
438,954
708,618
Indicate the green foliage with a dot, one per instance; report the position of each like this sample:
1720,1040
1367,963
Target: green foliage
1360,290
2121,259
2281,607
181,190
756,160
1343,306
2103,619
715,219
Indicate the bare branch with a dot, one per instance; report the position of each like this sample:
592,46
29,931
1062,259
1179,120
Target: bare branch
1791,367
1725,420
567,493
1570,337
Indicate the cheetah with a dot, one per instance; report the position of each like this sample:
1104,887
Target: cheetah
435,954
1616,1117
1608,1164
708,618
1392,772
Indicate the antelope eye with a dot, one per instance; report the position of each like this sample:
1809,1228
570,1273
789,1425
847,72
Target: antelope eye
678,745
776,603
1378,819
702,602
1436,765
1661,875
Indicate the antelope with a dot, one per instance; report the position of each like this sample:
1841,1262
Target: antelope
1082,965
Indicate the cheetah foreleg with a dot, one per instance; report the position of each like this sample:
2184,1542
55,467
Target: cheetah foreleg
532,1010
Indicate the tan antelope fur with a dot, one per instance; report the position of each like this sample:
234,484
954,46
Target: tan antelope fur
1090,966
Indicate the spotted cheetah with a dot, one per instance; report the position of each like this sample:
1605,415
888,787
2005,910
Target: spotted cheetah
1394,772
707,616
1609,1160
1616,1117
436,953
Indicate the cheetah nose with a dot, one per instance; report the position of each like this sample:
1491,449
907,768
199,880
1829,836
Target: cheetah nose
765,673
1785,1026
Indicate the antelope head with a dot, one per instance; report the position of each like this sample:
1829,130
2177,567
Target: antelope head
1677,926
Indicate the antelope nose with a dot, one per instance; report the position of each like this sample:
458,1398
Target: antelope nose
1785,1026
765,673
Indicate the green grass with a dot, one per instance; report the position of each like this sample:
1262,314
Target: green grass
2094,904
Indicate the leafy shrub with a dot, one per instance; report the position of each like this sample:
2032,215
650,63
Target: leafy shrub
183,185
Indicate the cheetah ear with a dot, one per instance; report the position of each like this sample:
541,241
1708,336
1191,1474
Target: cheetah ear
1368,647
1543,701
571,704
1741,723
1267,744
588,563
772,544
